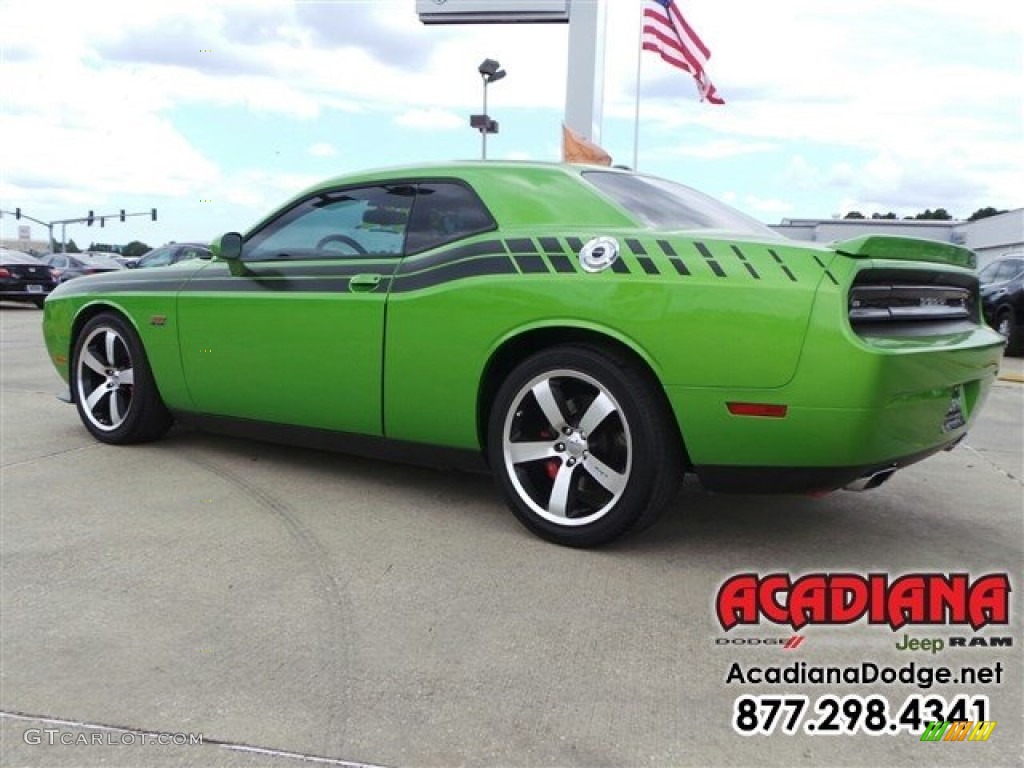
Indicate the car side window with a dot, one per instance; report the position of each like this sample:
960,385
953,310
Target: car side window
346,223
158,258
443,213
1011,269
1006,270
193,252
988,274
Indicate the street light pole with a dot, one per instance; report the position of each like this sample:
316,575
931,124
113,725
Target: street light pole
484,132
490,71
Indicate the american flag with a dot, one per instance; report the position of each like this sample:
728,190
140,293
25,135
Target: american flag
667,34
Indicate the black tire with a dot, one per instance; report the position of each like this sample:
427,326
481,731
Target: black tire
39,303
568,486
1006,324
113,385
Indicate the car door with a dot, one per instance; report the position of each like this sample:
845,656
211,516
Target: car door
292,333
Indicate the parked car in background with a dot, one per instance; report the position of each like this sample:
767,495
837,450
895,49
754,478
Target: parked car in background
166,255
25,278
1002,298
70,265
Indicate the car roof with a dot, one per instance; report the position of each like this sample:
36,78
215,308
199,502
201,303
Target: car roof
178,244
94,257
10,256
516,192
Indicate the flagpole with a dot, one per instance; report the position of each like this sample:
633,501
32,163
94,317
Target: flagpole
636,105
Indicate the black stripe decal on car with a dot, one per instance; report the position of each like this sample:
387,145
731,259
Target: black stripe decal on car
673,257
636,247
530,263
561,262
747,264
480,267
785,269
710,257
827,273
620,267
275,284
648,265
521,245
575,244
136,286
550,244
483,248
524,254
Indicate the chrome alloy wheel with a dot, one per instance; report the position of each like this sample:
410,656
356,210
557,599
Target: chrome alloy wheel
567,447
105,379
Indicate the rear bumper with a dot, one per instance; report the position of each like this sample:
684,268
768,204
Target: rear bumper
734,479
855,406
23,294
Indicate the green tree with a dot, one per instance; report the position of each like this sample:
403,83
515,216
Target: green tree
135,248
984,213
70,247
939,214
889,215
854,215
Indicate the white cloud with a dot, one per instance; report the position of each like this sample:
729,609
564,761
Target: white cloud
715,150
772,206
322,149
430,119
866,102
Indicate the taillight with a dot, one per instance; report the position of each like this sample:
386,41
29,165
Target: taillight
4,272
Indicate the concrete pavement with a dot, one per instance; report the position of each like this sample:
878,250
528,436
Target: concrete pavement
316,606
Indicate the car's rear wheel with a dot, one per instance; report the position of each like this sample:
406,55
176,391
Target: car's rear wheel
113,385
1007,326
582,445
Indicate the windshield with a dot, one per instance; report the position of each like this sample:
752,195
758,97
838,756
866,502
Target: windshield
662,204
95,260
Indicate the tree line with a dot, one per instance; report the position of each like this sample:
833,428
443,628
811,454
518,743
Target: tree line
132,249
939,214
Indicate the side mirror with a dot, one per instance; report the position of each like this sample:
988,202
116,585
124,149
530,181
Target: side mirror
230,246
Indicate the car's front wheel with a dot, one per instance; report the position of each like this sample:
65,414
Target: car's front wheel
113,385
582,445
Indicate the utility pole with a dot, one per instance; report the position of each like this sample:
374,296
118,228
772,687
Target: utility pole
17,214
92,217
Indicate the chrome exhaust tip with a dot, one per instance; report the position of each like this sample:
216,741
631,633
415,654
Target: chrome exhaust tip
870,481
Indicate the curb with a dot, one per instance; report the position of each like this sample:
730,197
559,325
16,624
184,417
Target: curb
1015,377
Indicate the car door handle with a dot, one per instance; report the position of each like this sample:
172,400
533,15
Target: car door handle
364,282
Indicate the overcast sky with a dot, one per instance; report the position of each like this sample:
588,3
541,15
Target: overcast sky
215,112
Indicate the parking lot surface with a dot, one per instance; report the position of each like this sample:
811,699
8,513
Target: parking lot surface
290,605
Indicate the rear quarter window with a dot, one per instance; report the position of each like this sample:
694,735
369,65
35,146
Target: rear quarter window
665,205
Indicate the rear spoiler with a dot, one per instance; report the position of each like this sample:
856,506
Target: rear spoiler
906,249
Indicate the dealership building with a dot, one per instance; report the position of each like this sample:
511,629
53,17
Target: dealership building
989,237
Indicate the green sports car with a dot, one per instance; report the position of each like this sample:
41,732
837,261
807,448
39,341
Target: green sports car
591,334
